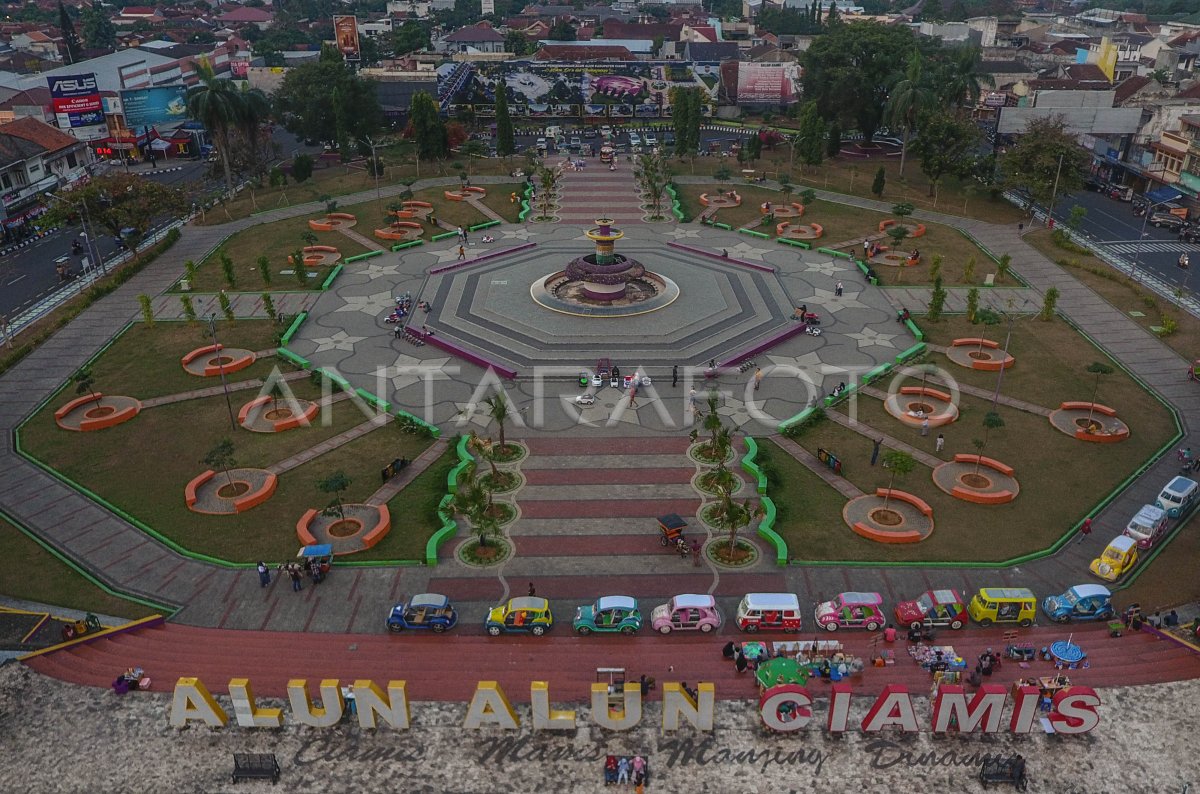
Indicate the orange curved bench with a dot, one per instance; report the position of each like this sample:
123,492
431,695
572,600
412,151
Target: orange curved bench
404,213
390,234
424,204
975,342
73,404
189,492
925,391
296,420
981,498
200,351
232,366
1102,438
885,224
817,228
452,195
325,249
100,422
250,406
991,463
919,231
782,226
916,231
904,496
320,226
381,528
1082,406
871,533
306,537
341,216
255,498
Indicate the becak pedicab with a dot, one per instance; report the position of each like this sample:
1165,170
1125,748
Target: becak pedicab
670,529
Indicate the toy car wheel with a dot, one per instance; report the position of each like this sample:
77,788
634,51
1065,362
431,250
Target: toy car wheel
538,631
627,630
664,629
494,631
750,628
872,626
438,628
956,624
985,622
915,625
584,630
1062,618
1026,623
706,627
663,540
831,627
396,627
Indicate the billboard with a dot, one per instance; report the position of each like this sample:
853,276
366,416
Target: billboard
76,99
345,32
550,89
769,83
146,107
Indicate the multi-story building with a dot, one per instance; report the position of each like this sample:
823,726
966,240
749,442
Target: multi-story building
35,159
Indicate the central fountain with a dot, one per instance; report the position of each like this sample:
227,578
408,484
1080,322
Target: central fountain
604,283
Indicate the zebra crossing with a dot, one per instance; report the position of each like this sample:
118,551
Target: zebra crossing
1151,247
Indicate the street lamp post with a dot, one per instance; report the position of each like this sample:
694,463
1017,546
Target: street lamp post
1137,254
212,327
1054,192
1000,374
374,164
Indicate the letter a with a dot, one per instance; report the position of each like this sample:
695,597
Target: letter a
489,706
192,702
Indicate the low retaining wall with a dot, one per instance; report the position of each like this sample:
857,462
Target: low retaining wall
713,255
466,355
481,258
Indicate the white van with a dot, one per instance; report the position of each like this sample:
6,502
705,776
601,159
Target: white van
554,132
1178,496
1147,526
778,611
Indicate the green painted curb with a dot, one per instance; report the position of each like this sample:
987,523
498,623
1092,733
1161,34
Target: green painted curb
754,233
487,225
750,467
409,244
443,236
797,243
336,379
328,282
916,349
916,331
368,397
800,417
766,531
293,328
287,355
360,257
449,529
724,226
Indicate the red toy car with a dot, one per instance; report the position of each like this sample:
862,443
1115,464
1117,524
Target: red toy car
933,608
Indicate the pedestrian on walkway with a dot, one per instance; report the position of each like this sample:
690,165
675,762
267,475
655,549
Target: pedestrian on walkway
532,592
866,248
1020,227
925,427
264,574
462,235
941,444
1085,529
695,553
692,398
294,572
633,397
674,375
875,451
837,289
462,253
758,376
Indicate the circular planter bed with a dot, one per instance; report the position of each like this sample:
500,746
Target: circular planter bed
744,553
503,512
503,481
497,550
511,451
697,452
706,482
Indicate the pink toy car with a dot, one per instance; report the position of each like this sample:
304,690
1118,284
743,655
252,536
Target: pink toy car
686,612
852,611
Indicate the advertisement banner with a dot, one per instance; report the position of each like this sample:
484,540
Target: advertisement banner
345,32
77,97
146,107
770,83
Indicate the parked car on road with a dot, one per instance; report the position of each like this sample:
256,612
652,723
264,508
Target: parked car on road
686,612
769,611
851,610
1081,602
1165,220
528,615
1147,526
933,608
425,611
1118,559
609,614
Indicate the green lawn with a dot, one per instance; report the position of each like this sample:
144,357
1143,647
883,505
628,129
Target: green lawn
1060,478
497,200
47,579
809,514
414,513
145,362
116,465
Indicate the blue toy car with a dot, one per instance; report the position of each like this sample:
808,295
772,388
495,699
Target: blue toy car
424,611
1081,602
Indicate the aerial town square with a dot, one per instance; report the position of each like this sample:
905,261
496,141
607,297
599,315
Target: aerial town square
461,396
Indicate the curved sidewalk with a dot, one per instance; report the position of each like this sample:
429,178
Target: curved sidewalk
211,595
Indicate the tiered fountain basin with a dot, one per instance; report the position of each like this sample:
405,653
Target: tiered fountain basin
981,354
559,292
264,414
936,405
228,493
332,221
1091,422
213,360
96,412
974,478
359,528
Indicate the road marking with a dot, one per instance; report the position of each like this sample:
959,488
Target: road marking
15,280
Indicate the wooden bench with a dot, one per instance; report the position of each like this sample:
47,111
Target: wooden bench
991,463
255,766
925,391
975,342
904,496
879,536
1085,406
981,497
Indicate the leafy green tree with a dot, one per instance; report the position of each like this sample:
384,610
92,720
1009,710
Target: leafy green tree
473,499
833,142
85,382
653,176
972,303
227,270
961,79
754,146
1099,369
898,463
1075,219
969,269
189,310
269,307
70,38
911,97
302,168
811,135
147,309
226,306
561,31
498,411
315,95
413,35
1003,264
1045,153
264,269
730,517
223,108
505,145
221,457
428,129
944,146
878,184
336,483
937,300
1049,303
516,42
991,421
117,202
98,29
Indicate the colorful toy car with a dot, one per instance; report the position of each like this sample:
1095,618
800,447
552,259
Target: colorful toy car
852,611
933,608
609,614
1003,605
1177,497
1117,560
1147,526
769,611
424,611
525,614
1081,602
686,612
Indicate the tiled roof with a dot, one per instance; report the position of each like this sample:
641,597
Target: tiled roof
1130,86
37,133
584,52
475,33
247,14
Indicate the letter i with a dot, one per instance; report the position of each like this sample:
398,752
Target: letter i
839,708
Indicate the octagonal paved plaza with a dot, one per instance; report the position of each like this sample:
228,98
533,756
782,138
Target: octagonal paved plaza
724,309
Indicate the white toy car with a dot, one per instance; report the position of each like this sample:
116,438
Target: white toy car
585,399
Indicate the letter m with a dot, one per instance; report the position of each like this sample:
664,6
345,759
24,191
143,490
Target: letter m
952,710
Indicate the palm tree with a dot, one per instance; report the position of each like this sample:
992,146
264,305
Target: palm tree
964,82
910,98
1099,369
218,104
473,499
498,410
991,421
730,516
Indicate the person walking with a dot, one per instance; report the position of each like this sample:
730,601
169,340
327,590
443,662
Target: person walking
925,427
462,253
941,444
462,235
837,289
674,375
294,572
866,248
532,591
758,376
875,451
264,574
695,553
1085,529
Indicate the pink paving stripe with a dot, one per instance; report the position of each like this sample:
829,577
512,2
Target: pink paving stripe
646,542
587,588
607,446
609,508
608,476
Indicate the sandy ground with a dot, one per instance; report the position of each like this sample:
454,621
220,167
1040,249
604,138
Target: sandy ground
57,737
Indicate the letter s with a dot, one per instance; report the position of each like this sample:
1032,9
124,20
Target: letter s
1075,710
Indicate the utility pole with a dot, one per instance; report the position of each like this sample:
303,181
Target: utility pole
1000,374
212,327
1054,193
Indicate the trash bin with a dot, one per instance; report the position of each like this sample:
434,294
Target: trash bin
185,285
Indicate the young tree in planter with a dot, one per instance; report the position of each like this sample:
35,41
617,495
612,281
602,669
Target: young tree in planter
498,411
486,449
653,176
221,457
1099,369
730,517
991,421
937,300
189,310
473,499
269,307
899,463
969,270
264,270
335,483
549,181
227,270
1002,266
972,303
84,382
147,310
1049,302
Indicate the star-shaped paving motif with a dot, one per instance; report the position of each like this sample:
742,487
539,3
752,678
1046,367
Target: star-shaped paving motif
832,303
409,370
747,251
679,233
827,268
367,304
374,271
869,337
516,234
339,340
446,255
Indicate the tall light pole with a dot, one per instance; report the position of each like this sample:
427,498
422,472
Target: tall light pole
1000,374
374,164
1137,254
212,327
1054,193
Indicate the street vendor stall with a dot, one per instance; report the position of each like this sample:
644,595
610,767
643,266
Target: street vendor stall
935,658
780,670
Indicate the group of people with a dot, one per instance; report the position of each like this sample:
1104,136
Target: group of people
741,661
625,770
315,568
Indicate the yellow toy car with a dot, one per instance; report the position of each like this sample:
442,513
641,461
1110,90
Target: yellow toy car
525,614
1117,560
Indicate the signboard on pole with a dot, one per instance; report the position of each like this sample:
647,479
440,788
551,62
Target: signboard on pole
76,99
146,107
345,32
